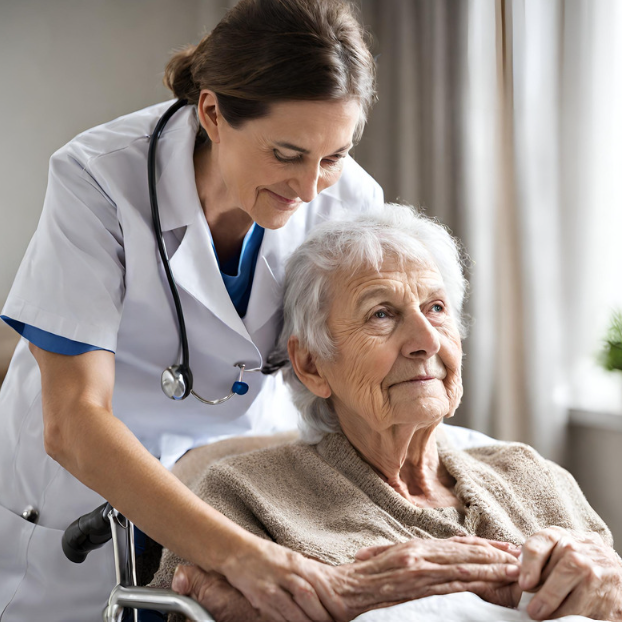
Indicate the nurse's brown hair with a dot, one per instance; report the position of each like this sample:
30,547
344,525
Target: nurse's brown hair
267,51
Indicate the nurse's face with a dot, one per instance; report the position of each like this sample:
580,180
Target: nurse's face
269,167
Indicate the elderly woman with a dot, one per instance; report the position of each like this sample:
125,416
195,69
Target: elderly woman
372,325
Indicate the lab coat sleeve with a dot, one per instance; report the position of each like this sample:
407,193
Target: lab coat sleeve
71,280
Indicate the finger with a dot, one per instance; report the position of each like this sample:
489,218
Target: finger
193,581
180,583
436,551
579,603
403,584
509,547
507,595
566,576
283,608
306,597
535,554
478,572
470,553
498,594
371,551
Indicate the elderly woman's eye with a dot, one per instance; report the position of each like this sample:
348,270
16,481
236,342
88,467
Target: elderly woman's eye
437,307
381,314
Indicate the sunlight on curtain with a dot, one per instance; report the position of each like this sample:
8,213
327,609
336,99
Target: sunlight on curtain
504,120
592,196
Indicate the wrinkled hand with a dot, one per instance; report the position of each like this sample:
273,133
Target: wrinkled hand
574,574
290,586
215,594
392,574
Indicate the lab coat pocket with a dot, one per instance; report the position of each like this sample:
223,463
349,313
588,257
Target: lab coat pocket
15,533
37,581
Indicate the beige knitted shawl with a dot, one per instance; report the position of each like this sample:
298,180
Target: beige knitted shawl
326,502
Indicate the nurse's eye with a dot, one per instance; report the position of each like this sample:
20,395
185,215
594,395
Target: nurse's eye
287,159
332,162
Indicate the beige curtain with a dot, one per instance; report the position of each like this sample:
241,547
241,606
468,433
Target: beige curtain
480,122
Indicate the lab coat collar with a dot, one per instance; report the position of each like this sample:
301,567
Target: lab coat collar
176,186
194,264
196,270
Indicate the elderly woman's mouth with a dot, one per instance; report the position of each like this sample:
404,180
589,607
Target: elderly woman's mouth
416,379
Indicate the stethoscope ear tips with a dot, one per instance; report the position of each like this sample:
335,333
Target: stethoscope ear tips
239,388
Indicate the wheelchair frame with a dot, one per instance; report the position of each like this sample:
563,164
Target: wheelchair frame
92,531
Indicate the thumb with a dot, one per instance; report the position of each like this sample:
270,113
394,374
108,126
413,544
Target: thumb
371,551
180,582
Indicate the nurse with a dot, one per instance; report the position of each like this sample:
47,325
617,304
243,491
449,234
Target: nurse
278,94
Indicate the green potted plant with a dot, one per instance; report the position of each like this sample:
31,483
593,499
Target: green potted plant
611,355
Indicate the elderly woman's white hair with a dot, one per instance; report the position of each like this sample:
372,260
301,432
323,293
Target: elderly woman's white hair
397,232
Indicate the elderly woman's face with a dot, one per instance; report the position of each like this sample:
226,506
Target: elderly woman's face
398,347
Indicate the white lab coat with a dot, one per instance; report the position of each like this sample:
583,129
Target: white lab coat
92,274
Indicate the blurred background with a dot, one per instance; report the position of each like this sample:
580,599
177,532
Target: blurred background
502,118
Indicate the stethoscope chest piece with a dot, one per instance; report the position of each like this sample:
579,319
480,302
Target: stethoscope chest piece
176,382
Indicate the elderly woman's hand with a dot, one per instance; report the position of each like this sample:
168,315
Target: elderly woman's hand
386,576
573,573
419,568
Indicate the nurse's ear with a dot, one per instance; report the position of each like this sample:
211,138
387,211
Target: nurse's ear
209,114
306,369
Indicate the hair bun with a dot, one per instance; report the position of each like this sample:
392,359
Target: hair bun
178,75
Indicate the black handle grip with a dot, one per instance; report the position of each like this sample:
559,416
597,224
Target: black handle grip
87,533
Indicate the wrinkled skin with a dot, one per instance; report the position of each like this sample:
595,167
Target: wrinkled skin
388,327
572,573
385,575
396,373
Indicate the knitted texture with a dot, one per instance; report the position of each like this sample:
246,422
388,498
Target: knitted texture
326,502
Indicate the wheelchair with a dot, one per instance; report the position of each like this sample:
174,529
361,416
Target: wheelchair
92,531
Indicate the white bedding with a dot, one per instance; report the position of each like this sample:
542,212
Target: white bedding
462,607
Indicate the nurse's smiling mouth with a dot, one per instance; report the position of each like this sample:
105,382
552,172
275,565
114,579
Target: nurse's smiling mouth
288,203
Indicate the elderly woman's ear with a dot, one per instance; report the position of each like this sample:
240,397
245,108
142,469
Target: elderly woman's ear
306,369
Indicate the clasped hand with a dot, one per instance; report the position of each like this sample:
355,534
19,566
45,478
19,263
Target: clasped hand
382,576
572,573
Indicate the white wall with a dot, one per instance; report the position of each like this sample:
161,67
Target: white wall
65,66
595,459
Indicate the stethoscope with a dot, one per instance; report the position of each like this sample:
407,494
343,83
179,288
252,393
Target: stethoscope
177,379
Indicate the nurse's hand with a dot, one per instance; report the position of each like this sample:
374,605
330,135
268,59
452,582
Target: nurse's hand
279,583
573,573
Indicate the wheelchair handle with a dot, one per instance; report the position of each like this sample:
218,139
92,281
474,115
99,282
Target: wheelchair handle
87,533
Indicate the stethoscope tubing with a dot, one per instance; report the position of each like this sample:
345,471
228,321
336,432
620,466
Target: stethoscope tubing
155,214
177,379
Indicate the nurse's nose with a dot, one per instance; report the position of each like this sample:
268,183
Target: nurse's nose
421,339
305,182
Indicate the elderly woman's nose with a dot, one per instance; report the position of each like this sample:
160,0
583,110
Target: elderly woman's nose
421,338
305,182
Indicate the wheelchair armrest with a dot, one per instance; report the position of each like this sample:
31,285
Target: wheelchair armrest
154,599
